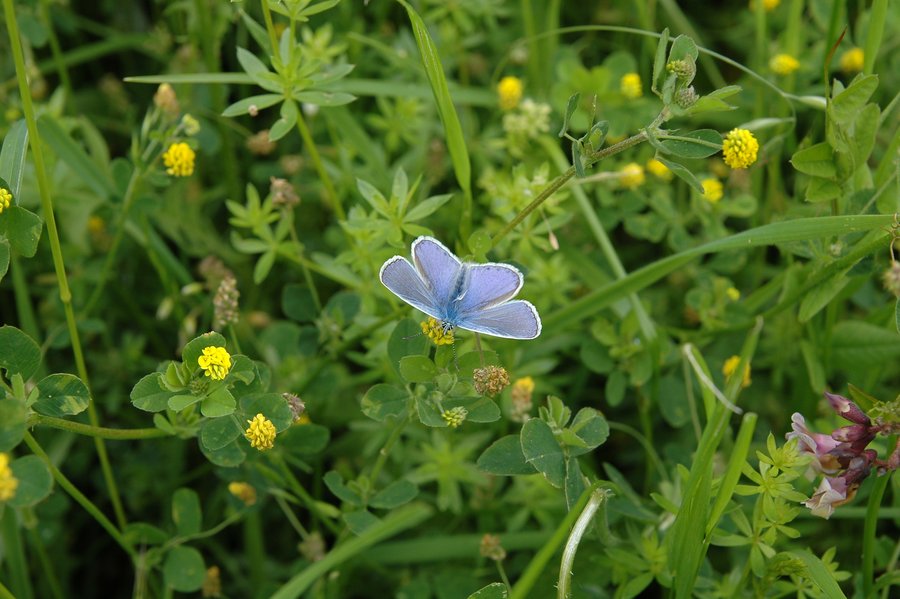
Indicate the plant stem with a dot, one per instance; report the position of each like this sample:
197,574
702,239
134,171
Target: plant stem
117,434
320,168
65,294
301,492
598,498
386,449
871,523
562,179
78,496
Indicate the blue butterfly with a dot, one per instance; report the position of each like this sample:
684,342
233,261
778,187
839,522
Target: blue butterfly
474,297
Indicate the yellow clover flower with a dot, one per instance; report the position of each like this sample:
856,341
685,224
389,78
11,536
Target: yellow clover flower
852,60
733,294
739,148
730,366
712,189
769,5
215,362
243,491
631,175
659,170
630,86
509,91
8,482
783,64
434,330
455,416
179,160
260,433
5,199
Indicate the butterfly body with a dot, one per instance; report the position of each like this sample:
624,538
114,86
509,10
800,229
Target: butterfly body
471,296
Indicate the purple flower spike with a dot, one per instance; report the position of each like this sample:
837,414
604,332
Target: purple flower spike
847,409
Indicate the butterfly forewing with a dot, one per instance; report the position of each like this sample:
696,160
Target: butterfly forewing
404,281
438,267
517,319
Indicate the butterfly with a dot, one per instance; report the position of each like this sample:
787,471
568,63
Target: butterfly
474,297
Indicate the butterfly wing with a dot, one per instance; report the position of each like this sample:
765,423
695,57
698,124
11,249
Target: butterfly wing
488,285
517,319
438,268
399,276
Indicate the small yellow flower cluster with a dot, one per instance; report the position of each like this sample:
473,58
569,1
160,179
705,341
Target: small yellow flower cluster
455,416
212,583
630,86
730,366
659,170
852,60
739,148
179,160
712,190
215,362
8,482
190,124
509,92
522,390
783,64
631,175
434,330
243,491
5,199
260,433
733,294
769,5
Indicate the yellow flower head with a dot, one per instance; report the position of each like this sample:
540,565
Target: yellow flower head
769,5
852,60
739,148
783,64
659,170
260,433
733,294
455,416
215,362
630,86
712,190
8,482
243,491
730,366
434,330
509,91
5,199
212,583
523,386
179,160
631,175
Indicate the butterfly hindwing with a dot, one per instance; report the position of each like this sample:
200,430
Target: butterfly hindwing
517,319
488,285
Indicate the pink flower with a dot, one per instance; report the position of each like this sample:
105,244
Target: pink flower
832,492
847,409
817,444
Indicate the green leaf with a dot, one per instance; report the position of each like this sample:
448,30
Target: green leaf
417,369
574,485
13,415
858,345
819,297
253,67
687,149
426,207
822,190
261,102
298,304
358,521
216,433
819,574
284,125
271,405
180,402
218,403
306,439
394,495
495,590
4,258
89,170
324,98
243,370
591,428
541,450
456,142
335,483
18,353
816,160
683,47
22,229
148,394
682,173
61,395
184,569
141,533
12,156
571,106
186,513
35,481
385,401
230,456
194,348
845,106
659,62
505,458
